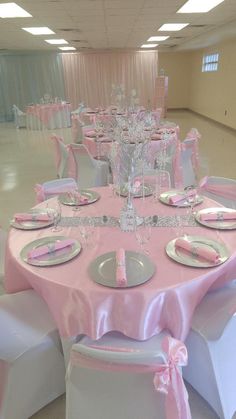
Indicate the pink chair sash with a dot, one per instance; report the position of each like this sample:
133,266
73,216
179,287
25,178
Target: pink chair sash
167,379
224,190
42,193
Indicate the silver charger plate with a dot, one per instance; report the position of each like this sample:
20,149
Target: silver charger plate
92,197
145,190
165,196
139,269
33,225
185,258
50,259
218,224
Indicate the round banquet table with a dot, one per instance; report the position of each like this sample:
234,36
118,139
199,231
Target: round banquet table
81,306
49,116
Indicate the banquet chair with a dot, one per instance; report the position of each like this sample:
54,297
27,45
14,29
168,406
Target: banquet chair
87,171
31,362
189,161
168,159
220,189
116,377
19,117
211,343
77,129
61,156
54,188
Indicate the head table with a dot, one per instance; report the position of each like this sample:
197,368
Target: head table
81,306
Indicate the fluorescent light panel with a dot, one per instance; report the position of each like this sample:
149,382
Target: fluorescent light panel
39,31
56,41
67,48
199,6
11,10
149,45
173,26
157,38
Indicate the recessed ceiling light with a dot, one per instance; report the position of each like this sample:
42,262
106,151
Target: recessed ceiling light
149,45
173,26
199,6
39,31
67,48
157,38
56,41
8,10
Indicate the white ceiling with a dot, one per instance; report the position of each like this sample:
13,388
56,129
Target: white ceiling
102,24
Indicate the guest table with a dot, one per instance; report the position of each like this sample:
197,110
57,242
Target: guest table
49,116
81,306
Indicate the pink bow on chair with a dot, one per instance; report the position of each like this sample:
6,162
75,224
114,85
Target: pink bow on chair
168,379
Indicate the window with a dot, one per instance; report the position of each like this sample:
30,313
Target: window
210,62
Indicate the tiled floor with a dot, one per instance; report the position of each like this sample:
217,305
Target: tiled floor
26,158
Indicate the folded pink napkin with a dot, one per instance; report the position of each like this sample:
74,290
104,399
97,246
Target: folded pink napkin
121,278
50,248
31,217
181,197
219,216
208,254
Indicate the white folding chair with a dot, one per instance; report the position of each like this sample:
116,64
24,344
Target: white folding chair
113,377
211,347
222,190
19,117
54,188
61,156
32,367
85,169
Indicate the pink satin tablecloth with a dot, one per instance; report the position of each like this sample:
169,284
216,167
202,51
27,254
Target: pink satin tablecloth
45,112
80,306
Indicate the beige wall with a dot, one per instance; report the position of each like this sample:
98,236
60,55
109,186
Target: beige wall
213,94
177,66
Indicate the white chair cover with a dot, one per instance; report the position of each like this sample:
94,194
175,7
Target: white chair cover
104,379
54,188
61,156
19,117
211,347
189,161
31,362
85,169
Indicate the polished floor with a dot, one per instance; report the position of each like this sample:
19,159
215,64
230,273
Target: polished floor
26,158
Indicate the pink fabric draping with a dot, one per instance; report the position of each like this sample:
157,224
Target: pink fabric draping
89,76
167,376
45,112
80,306
224,190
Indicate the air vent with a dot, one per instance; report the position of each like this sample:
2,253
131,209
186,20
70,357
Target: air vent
69,30
197,26
79,40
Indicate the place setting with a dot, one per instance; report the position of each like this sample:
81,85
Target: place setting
121,269
181,198
84,197
219,218
33,219
138,190
51,250
197,251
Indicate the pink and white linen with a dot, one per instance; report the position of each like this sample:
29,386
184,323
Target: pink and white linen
45,112
80,306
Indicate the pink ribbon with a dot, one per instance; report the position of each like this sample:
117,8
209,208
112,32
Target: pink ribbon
224,190
167,379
